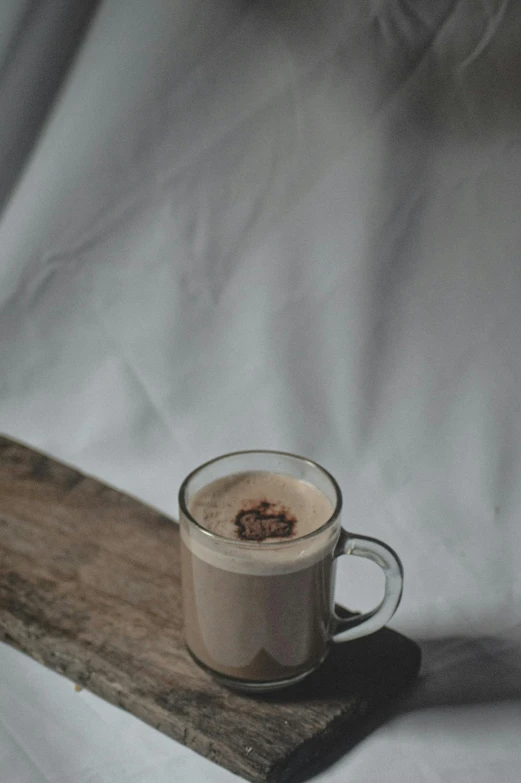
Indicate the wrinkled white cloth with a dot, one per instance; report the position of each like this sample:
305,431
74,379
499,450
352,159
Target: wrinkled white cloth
289,225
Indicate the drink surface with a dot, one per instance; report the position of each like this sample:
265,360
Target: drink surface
260,506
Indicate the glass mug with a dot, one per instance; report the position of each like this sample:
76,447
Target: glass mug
261,615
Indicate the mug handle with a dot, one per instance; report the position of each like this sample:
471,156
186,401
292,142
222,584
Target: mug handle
347,628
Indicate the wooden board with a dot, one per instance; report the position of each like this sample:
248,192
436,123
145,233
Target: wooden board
90,586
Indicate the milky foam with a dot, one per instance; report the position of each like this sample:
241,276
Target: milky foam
218,505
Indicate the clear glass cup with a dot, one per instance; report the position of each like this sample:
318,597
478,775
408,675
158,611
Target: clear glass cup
261,616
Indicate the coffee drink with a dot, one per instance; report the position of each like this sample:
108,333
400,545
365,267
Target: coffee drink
258,606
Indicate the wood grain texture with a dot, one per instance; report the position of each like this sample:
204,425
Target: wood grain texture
90,586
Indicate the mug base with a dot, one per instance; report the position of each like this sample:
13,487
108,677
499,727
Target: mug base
254,686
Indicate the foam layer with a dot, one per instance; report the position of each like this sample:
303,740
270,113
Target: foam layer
260,506
218,505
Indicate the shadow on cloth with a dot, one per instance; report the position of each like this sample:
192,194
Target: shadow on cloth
457,672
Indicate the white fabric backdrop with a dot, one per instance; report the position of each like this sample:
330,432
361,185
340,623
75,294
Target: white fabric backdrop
292,225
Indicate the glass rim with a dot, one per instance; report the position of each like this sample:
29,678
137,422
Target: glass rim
255,544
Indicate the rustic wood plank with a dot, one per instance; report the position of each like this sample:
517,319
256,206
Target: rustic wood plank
90,586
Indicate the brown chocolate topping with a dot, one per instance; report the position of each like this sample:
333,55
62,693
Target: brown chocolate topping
265,520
